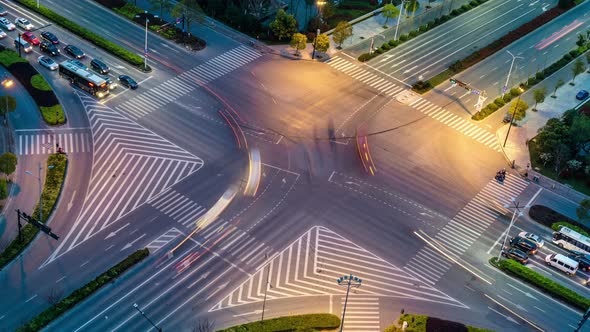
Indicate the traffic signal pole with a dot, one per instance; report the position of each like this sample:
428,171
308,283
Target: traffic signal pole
481,95
583,320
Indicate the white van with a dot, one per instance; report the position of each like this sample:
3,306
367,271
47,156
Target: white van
562,263
21,43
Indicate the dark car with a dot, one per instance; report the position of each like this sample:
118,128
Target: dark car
128,82
583,94
517,255
3,11
582,259
99,66
523,244
49,48
74,51
49,37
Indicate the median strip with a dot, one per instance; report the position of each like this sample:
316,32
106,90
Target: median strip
311,322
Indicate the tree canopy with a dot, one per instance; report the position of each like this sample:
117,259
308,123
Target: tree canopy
8,162
284,25
322,43
342,32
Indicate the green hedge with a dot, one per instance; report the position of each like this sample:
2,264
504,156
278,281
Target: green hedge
84,33
53,115
7,58
50,314
38,82
547,285
556,226
422,29
51,189
129,11
307,323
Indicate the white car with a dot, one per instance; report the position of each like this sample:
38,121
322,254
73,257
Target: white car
23,23
48,62
2,34
5,23
535,238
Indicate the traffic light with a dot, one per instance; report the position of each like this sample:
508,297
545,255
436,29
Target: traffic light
453,81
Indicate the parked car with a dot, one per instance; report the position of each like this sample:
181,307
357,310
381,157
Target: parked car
74,51
31,38
582,94
128,82
48,47
582,259
523,244
49,37
3,11
99,66
47,62
516,254
23,23
6,24
533,237
2,34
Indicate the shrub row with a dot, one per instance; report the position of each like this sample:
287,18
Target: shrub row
53,312
498,103
51,189
423,28
312,322
491,49
547,285
86,34
423,323
34,83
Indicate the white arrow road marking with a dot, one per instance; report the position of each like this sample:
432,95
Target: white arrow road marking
170,48
255,312
128,245
71,203
409,70
203,276
533,3
397,63
386,57
115,232
505,316
525,293
220,287
514,304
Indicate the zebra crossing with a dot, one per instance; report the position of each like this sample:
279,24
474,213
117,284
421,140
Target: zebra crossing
163,240
456,122
186,82
310,266
45,143
236,242
359,73
178,207
131,165
362,314
462,231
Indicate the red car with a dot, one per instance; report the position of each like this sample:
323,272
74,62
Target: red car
30,37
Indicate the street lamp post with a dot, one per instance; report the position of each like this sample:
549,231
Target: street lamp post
516,208
373,41
7,83
512,120
145,48
505,88
315,43
146,317
320,3
348,281
40,189
399,18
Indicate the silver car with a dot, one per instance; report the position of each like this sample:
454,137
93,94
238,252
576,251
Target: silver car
5,23
2,34
23,23
48,62
535,238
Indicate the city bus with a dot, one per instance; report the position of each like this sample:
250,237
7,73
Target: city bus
571,240
84,79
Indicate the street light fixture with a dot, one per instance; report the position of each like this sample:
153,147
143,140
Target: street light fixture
373,41
145,49
320,3
146,317
399,18
516,208
7,83
505,87
348,281
40,189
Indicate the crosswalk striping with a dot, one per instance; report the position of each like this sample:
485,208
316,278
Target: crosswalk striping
178,207
465,228
362,314
456,122
382,85
311,264
186,82
35,143
163,240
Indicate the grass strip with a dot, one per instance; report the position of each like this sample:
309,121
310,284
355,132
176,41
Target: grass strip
423,323
311,322
79,295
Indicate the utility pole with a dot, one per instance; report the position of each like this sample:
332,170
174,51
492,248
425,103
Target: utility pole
516,208
399,18
146,317
348,282
505,87
511,121
583,320
315,43
265,288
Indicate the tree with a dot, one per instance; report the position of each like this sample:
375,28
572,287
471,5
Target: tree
581,40
162,5
577,69
579,132
284,25
298,42
342,32
583,211
558,85
539,95
518,109
389,11
553,132
11,105
322,43
8,162
411,6
190,11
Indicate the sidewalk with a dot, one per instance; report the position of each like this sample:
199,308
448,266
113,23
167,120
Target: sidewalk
516,146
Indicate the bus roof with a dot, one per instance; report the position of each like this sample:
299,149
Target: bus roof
574,235
97,80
